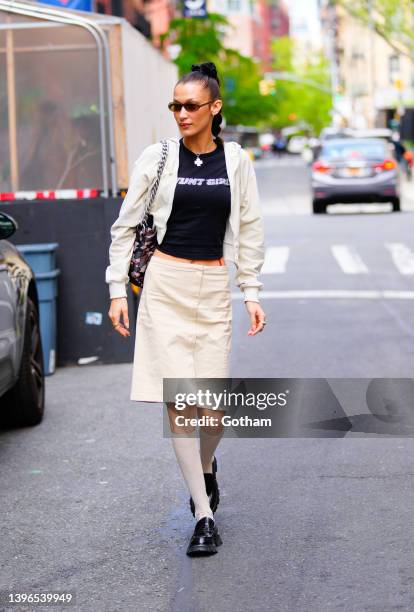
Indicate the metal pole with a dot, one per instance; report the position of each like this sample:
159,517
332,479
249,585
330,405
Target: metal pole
333,64
11,111
371,62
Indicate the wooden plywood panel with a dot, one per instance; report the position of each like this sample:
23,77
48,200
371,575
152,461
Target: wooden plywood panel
118,105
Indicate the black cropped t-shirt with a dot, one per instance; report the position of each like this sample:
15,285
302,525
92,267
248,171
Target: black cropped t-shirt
201,206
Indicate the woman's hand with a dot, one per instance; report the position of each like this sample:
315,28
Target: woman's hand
119,306
257,317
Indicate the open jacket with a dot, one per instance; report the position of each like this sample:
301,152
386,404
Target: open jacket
244,235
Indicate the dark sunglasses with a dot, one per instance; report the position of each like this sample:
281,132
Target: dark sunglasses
190,107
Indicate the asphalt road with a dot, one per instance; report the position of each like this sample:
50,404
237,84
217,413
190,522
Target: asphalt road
93,501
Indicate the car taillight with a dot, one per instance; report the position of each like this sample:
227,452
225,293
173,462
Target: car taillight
387,164
319,166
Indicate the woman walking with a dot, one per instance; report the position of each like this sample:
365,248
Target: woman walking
206,212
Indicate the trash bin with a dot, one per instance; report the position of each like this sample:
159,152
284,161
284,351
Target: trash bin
42,259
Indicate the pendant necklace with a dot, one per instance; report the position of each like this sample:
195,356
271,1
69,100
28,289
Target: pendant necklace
198,161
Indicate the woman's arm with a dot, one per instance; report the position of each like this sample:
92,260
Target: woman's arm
251,235
131,213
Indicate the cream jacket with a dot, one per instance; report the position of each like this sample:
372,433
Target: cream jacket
244,235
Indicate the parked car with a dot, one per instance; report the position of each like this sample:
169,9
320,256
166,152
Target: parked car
296,144
335,132
248,138
349,170
22,388
254,152
386,133
346,132
266,140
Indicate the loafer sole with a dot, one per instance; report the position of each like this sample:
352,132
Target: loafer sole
197,550
202,549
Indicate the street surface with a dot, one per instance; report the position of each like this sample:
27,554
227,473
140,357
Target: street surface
314,329
93,500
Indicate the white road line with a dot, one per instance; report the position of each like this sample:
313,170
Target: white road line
275,260
348,259
359,208
333,294
402,257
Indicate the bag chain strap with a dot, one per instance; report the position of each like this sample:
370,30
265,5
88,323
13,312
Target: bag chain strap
154,187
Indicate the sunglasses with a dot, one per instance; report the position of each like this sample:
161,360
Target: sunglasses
190,107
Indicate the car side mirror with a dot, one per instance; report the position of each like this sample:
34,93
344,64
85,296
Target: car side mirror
7,226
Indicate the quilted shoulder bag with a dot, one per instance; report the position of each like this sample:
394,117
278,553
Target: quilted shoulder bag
146,233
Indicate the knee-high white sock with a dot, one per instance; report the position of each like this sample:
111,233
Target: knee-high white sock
208,445
188,457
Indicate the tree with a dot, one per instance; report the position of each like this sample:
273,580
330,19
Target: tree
391,19
201,40
308,99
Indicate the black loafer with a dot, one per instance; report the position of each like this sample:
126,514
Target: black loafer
205,538
212,490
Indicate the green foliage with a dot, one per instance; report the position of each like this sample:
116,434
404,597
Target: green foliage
391,19
201,40
243,104
301,100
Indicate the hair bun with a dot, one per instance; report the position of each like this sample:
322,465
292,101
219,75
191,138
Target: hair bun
207,68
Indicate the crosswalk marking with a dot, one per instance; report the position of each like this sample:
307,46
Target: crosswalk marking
348,259
275,260
402,257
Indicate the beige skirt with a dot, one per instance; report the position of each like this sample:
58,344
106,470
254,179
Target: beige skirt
183,327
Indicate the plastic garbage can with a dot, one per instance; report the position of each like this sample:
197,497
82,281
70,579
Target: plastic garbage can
42,259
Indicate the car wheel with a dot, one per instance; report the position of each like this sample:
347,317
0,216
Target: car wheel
318,207
25,401
396,204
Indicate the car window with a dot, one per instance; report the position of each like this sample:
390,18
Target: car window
350,149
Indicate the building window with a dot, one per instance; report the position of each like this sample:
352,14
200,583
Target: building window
357,56
117,8
142,25
393,67
233,5
100,7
